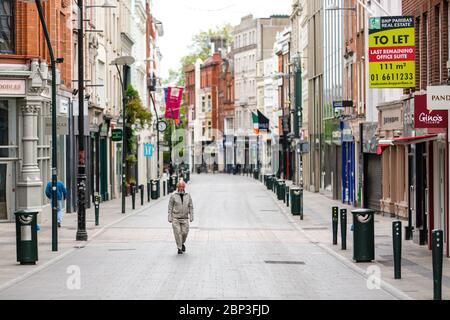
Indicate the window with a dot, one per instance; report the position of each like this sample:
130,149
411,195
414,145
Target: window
7,36
203,104
209,103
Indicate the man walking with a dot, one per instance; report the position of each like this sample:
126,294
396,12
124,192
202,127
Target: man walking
61,194
181,212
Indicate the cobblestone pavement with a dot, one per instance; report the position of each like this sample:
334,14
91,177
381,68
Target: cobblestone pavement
242,245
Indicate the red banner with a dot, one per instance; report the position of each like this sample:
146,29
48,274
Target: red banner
174,96
424,118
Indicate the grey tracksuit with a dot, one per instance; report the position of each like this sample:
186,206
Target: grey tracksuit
181,212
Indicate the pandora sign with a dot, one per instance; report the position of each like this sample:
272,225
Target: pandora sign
424,118
438,97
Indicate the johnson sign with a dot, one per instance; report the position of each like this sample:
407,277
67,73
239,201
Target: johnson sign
424,118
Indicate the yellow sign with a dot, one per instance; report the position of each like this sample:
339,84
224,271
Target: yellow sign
392,52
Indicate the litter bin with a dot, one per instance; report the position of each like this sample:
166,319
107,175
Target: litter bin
275,185
281,189
296,204
26,236
363,235
256,174
155,189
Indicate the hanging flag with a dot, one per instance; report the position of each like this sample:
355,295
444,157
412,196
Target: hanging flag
173,97
255,123
263,122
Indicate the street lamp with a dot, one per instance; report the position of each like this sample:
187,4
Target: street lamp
54,151
124,61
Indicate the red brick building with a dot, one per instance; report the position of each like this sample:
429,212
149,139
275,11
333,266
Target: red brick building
427,157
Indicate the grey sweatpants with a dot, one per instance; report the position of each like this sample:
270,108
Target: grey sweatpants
180,231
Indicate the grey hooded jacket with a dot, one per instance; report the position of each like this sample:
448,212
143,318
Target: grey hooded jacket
181,209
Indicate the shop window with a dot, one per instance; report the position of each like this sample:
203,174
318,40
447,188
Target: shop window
7,36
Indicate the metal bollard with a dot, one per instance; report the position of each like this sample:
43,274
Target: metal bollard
301,204
288,192
397,244
97,209
141,190
335,220
164,188
148,191
437,252
133,196
344,229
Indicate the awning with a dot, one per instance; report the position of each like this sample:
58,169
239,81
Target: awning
382,147
386,143
418,139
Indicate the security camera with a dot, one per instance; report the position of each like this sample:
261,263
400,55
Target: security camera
74,92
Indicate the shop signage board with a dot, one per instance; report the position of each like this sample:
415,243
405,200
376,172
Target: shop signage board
438,97
148,150
425,118
62,125
392,52
117,135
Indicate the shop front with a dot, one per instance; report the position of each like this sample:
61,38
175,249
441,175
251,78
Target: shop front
371,168
394,159
430,166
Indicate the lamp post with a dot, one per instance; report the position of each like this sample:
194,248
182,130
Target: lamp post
53,61
124,61
157,133
81,176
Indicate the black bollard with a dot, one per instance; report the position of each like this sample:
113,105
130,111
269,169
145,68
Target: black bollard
335,220
288,191
344,229
97,209
397,244
148,191
437,252
301,204
164,188
141,190
133,196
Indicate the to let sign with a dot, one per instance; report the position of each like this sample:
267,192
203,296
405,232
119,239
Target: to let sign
425,118
392,52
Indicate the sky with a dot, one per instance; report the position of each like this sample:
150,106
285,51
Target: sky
182,19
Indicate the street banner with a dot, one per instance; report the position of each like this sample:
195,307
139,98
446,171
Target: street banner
173,97
392,52
425,118
263,122
438,97
255,123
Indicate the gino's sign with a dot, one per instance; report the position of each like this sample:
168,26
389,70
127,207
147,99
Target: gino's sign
425,118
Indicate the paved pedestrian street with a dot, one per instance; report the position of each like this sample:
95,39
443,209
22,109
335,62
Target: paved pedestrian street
241,245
